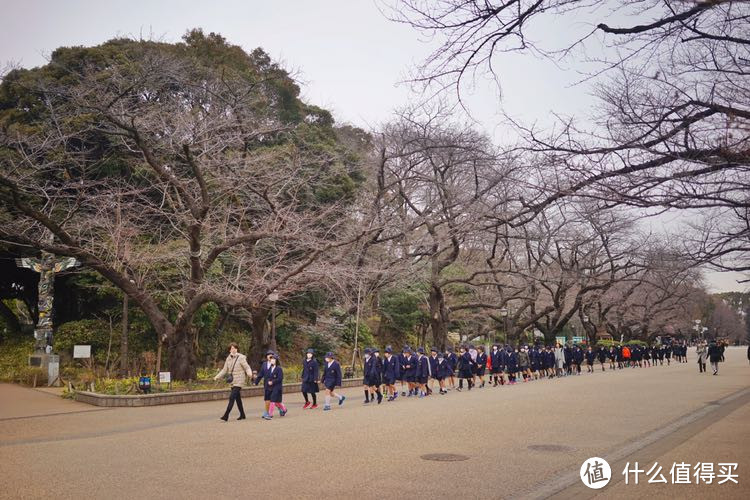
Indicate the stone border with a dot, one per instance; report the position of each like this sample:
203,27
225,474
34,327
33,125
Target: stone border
168,398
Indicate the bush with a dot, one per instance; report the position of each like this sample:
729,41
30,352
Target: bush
14,360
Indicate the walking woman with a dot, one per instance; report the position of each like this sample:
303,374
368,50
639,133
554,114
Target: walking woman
701,351
310,375
331,378
234,370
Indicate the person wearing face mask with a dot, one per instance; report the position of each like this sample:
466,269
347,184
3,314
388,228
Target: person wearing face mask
273,379
235,365
369,361
422,373
443,371
465,369
523,363
331,379
310,375
452,359
433,359
512,364
391,372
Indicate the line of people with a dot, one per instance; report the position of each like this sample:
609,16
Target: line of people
416,373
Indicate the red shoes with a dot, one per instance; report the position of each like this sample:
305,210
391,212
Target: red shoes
307,405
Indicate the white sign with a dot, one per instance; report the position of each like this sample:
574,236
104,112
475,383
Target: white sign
165,377
81,351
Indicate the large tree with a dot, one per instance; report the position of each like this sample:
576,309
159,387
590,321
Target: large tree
183,173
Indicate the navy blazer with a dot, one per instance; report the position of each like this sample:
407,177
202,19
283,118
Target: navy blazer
433,366
423,367
443,370
332,374
481,360
273,379
391,368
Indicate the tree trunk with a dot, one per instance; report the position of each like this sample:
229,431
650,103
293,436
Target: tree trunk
261,340
438,317
182,360
11,320
124,338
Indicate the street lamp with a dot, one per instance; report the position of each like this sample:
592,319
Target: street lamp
504,314
697,328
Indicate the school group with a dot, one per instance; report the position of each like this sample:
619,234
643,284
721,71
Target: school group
416,372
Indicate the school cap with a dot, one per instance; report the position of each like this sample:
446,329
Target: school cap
311,351
388,349
330,355
368,350
434,349
420,350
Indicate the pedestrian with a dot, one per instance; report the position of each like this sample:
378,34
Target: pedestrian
559,360
391,373
443,371
422,373
331,379
376,375
511,364
433,359
702,352
523,363
234,371
402,369
496,367
481,362
273,379
590,357
410,370
714,356
310,376
452,359
465,371
601,354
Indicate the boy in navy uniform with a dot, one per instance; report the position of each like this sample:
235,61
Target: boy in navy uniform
402,359
442,371
273,379
495,365
410,369
310,376
422,373
481,365
433,359
452,360
391,373
331,378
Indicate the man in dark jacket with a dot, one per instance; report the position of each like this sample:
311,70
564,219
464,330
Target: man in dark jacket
714,356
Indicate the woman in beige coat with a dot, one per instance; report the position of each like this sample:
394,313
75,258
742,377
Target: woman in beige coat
235,367
702,352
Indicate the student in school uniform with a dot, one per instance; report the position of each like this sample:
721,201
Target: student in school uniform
465,369
590,358
402,368
601,354
273,379
391,373
612,355
410,367
375,375
534,365
237,366
368,367
452,359
442,371
433,359
481,362
647,356
577,358
496,367
331,379
422,373
310,376
511,364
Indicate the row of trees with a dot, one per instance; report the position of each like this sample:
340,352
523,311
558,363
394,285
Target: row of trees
192,176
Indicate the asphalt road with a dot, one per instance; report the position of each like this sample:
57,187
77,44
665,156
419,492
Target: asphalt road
50,447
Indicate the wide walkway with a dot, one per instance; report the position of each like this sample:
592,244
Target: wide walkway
525,441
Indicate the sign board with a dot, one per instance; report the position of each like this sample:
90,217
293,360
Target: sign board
561,340
165,377
577,340
81,351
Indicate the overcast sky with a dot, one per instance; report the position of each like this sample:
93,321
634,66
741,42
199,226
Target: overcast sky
347,55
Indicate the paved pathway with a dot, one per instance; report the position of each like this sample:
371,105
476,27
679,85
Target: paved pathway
52,447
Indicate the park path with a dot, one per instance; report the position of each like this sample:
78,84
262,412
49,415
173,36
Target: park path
184,451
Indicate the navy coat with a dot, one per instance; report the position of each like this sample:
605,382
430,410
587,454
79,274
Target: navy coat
481,363
495,360
465,364
423,368
452,360
310,374
373,370
273,378
443,370
602,355
391,370
433,366
511,362
331,375
590,357
410,368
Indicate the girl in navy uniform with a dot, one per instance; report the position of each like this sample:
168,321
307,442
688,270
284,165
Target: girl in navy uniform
590,357
391,373
511,361
422,374
402,358
367,369
410,367
331,378
481,365
310,375
273,380
260,375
